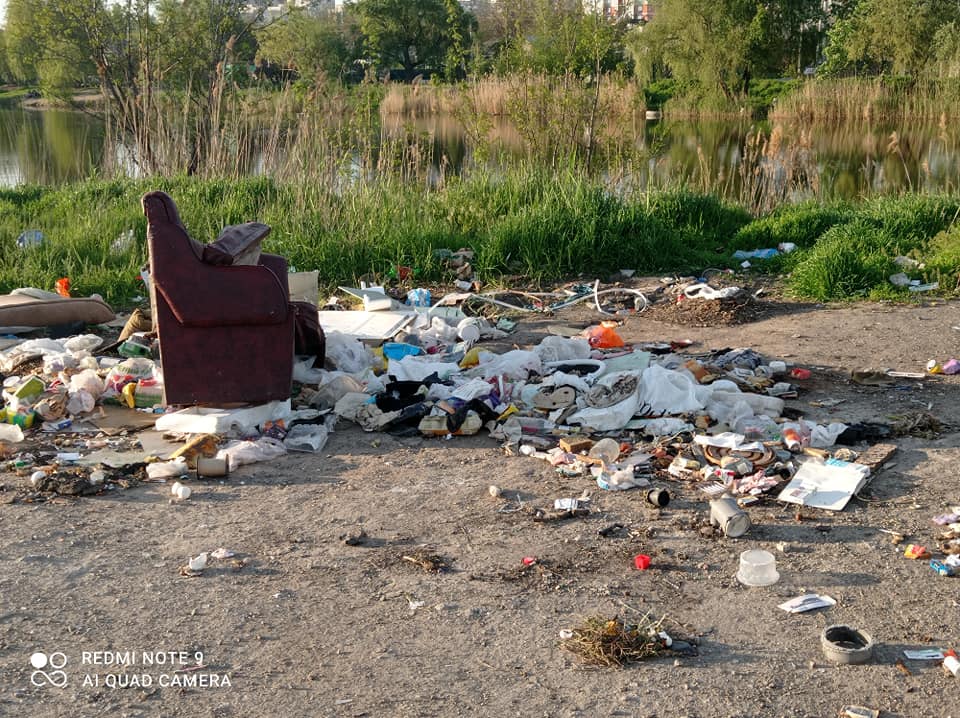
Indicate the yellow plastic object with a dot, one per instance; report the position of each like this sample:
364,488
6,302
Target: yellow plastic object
129,392
470,359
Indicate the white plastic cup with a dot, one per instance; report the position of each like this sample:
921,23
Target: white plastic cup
469,330
757,568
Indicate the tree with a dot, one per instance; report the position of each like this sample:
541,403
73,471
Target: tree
898,36
22,46
312,45
718,45
412,33
558,37
5,74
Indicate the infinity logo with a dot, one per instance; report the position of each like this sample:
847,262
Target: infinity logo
40,677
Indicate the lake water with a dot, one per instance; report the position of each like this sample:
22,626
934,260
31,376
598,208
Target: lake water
52,147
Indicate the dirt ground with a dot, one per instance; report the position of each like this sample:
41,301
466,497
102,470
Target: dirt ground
302,624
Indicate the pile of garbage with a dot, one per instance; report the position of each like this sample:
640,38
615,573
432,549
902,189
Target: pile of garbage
589,404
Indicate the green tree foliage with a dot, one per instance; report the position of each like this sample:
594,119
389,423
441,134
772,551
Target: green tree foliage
6,75
199,37
314,45
558,37
911,37
412,33
23,50
717,46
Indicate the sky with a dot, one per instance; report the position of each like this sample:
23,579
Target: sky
3,10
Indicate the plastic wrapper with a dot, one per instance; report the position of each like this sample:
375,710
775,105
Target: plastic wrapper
167,469
419,368
238,453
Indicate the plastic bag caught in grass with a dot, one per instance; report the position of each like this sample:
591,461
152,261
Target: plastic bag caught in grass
614,642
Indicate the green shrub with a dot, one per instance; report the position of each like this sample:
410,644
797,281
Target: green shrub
801,224
847,262
707,219
911,219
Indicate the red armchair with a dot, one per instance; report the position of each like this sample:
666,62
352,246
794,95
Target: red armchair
226,332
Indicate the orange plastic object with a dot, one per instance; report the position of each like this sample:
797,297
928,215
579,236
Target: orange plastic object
63,286
601,337
916,551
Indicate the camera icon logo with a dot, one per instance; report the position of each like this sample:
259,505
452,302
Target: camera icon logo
56,677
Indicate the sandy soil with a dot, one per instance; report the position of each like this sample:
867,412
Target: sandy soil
304,625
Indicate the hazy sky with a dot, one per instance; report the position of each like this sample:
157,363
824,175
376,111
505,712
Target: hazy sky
3,10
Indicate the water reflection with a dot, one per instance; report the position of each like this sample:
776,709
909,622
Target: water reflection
844,161
48,147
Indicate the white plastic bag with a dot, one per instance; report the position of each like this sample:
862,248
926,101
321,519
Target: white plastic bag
88,381
238,453
308,437
167,469
515,364
80,402
608,418
347,353
562,349
82,343
418,368
669,392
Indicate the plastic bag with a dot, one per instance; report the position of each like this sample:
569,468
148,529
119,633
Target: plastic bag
562,349
308,437
87,380
347,353
238,453
413,368
334,388
82,343
669,392
80,402
515,364
167,469
601,337
607,418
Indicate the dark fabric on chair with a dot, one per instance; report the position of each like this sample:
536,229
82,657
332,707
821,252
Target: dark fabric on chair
226,332
309,339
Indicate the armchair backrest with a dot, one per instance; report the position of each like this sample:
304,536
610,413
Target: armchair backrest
166,235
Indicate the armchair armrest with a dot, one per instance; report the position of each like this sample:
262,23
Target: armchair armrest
226,296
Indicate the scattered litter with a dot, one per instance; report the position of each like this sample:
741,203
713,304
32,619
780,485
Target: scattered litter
612,642
846,645
807,602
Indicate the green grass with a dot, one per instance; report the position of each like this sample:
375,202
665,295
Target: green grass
521,223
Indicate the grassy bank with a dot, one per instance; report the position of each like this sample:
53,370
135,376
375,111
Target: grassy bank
526,225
